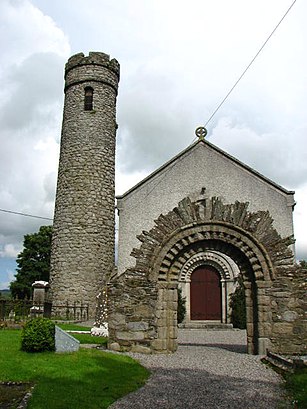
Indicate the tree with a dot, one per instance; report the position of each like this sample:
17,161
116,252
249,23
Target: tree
33,262
303,263
238,306
181,308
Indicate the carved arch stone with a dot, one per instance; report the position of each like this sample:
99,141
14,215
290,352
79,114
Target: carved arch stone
224,264
212,220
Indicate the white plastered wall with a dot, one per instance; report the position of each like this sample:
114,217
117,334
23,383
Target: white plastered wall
200,166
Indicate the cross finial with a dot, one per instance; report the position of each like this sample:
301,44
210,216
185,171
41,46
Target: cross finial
201,132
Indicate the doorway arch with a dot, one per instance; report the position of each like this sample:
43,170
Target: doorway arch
148,317
227,269
243,248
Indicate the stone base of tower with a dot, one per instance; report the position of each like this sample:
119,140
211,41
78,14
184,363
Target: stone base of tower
72,311
73,308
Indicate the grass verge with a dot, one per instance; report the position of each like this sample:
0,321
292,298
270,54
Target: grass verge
72,327
296,385
90,339
83,338
84,379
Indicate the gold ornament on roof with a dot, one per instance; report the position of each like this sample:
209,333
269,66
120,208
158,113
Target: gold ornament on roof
201,132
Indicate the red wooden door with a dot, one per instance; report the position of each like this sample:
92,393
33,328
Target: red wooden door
205,294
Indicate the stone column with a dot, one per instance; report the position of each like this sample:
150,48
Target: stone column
166,312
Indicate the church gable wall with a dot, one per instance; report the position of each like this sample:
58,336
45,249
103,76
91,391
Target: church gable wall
198,168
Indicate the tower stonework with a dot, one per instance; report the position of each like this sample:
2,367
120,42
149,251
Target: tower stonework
82,255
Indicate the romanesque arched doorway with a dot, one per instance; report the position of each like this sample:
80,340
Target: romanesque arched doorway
205,294
251,259
143,301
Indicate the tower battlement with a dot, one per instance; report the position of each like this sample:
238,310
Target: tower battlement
96,67
94,58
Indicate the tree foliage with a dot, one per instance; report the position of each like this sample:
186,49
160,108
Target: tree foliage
181,308
303,263
33,262
238,306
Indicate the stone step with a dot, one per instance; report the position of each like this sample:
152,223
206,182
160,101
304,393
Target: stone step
211,325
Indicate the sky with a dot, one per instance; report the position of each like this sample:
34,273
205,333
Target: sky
178,61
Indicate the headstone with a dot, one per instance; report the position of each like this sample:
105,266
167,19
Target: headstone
65,342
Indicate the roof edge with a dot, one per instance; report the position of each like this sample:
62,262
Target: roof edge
214,147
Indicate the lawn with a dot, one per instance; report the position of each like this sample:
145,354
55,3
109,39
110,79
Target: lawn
83,338
72,327
85,379
90,339
296,385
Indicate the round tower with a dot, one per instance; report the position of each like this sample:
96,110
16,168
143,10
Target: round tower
82,255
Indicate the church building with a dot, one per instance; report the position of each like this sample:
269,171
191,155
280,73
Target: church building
202,171
198,223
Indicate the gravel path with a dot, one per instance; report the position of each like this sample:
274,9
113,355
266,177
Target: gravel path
210,370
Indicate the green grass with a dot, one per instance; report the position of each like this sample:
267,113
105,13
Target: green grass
72,327
90,339
85,379
296,385
83,338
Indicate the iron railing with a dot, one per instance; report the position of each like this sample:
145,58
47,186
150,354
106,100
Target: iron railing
18,310
14,310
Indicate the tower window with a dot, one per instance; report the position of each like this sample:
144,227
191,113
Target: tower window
88,98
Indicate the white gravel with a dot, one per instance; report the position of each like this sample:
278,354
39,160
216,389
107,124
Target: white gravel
209,370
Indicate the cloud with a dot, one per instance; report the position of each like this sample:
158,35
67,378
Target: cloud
33,92
50,187
153,129
27,30
124,181
189,66
31,99
273,154
6,279
10,251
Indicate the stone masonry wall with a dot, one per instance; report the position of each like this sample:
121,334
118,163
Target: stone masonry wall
132,302
142,315
288,296
82,257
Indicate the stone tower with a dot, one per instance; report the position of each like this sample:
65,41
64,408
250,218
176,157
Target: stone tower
82,256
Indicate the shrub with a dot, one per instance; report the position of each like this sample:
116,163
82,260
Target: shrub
238,305
38,335
181,309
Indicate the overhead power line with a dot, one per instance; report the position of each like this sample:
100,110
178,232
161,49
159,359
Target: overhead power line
25,214
249,65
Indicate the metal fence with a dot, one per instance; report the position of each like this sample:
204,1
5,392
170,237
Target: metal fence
75,312
18,310
14,310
